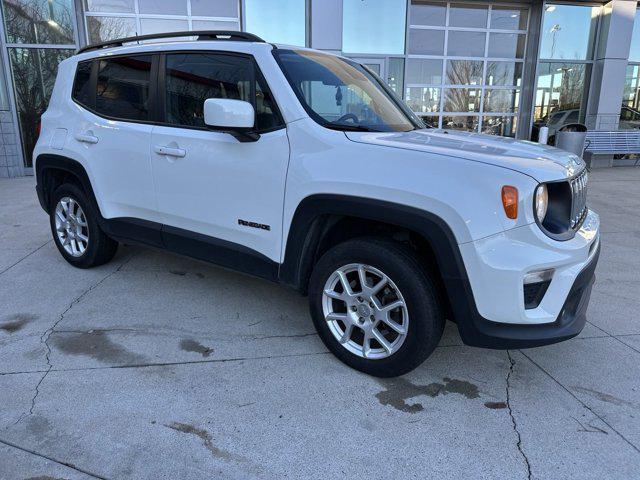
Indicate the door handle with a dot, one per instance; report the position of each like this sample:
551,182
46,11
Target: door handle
170,151
87,137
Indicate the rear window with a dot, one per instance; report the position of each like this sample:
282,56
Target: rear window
122,89
82,91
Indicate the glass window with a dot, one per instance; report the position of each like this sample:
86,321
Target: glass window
122,89
423,99
460,123
34,73
634,54
39,21
504,125
426,42
162,25
568,32
430,120
506,45
464,72
424,71
466,44
631,97
504,73
427,13
101,29
82,90
215,25
561,91
112,6
509,18
192,78
362,23
4,97
219,8
462,99
468,15
278,21
501,100
396,74
341,94
163,7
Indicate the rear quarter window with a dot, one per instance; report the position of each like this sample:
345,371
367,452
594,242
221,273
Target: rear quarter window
82,90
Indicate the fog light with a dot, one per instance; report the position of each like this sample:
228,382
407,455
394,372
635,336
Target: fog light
538,276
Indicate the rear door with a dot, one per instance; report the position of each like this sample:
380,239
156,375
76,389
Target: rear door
212,188
114,133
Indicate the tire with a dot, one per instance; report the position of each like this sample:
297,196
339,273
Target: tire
419,314
99,248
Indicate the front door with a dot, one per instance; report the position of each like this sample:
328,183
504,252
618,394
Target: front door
213,190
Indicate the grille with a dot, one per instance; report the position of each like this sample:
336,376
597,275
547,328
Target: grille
578,198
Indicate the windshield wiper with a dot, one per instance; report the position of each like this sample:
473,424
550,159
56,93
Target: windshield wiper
348,127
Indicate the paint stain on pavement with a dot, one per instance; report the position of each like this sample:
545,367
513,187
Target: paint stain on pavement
180,273
189,345
207,441
16,322
606,397
399,390
495,405
95,344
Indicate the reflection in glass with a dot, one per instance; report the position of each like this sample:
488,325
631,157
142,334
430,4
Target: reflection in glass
424,71
427,13
39,21
111,6
504,126
569,31
464,72
219,8
501,100
396,74
631,97
462,99
634,54
162,25
506,45
430,120
468,15
34,72
163,7
423,99
362,24
4,98
215,25
277,21
101,29
467,123
504,73
561,91
426,42
466,44
509,18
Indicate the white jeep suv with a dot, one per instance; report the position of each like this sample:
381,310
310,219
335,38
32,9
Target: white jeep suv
305,169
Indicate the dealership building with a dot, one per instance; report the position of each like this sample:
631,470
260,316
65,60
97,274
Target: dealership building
502,68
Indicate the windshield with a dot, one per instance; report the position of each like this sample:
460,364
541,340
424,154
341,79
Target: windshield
343,95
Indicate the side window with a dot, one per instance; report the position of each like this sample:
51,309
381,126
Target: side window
122,89
82,91
191,78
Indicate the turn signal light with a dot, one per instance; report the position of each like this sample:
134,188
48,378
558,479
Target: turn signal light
510,201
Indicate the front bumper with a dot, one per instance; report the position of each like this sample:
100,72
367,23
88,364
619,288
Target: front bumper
496,267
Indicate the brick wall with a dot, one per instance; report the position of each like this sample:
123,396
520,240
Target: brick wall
9,145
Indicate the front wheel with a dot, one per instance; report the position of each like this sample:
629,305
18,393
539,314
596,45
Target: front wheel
375,307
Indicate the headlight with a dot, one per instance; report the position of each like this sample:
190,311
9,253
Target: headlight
542,202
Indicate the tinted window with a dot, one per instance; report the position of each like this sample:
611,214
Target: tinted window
191,78
122,90
82,85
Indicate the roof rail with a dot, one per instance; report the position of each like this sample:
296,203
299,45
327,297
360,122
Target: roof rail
201,34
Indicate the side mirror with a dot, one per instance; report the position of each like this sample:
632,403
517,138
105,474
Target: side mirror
236,117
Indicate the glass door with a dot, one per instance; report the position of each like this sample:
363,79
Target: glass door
376,65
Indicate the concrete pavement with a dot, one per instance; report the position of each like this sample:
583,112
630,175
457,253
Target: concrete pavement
156,366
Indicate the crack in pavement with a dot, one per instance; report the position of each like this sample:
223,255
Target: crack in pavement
44,338
600,417
52,459
513,418
25,257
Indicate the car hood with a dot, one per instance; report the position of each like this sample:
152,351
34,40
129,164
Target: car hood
541,162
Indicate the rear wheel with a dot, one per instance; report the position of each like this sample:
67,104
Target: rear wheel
375,307
75,229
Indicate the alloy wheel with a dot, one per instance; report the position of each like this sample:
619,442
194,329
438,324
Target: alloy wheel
71,227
